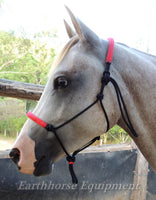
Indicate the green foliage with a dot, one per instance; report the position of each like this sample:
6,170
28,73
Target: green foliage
12,116
30,105
115,135
12,125
26,60
23,60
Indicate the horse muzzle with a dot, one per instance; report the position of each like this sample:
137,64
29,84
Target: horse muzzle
43,166
23,152
15,156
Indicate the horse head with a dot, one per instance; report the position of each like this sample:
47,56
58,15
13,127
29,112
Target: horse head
73,84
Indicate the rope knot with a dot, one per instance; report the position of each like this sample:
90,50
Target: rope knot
106,78
99,96
71,160
50,127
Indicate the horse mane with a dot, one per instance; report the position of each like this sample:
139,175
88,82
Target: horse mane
64,52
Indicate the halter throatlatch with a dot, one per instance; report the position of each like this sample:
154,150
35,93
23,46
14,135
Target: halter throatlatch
124,113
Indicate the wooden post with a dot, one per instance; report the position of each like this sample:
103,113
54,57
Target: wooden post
140,177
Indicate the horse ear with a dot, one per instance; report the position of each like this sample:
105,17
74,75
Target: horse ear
83,31
75,23
89,35
69,30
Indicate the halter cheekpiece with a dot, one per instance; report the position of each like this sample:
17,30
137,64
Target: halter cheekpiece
106,78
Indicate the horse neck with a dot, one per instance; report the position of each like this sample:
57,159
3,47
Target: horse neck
135,75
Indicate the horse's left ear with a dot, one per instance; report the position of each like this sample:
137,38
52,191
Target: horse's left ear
69,30
84,33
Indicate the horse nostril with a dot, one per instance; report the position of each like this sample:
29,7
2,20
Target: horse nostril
15,155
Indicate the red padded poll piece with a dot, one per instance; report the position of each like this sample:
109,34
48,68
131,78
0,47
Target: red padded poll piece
110,50
36,119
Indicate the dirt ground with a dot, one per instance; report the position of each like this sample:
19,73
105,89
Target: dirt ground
6,143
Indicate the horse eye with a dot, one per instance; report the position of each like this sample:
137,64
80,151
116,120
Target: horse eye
60,82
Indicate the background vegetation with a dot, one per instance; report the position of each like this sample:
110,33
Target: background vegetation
25,60
29,61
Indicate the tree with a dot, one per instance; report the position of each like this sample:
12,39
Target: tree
26,60
23,60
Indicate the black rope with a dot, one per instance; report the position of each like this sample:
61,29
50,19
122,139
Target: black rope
51,128
106,116
71,159
104,81
122,106
85,146
77,115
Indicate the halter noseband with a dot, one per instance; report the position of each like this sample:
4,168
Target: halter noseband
104,81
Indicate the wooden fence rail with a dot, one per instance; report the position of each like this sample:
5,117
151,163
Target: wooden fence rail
20,90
